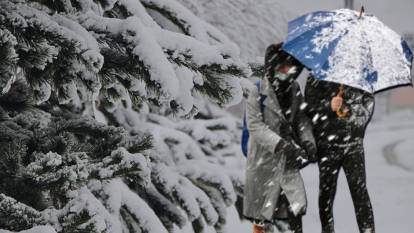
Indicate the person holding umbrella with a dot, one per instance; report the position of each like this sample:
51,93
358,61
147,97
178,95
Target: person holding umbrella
339,120
280,143
351,56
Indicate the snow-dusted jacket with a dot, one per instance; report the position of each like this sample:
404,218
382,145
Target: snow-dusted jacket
266,173
328,127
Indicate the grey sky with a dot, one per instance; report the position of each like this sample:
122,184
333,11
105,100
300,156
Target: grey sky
397,14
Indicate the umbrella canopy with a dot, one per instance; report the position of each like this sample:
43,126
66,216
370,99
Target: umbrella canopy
346,47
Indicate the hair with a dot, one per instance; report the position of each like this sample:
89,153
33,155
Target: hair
275,56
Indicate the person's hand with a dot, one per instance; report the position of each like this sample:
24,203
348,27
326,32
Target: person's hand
287,146
296,157
336,103
301,159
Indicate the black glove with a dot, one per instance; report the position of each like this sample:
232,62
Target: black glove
296,157
299,158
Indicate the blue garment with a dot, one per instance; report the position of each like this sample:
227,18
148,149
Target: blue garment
245,131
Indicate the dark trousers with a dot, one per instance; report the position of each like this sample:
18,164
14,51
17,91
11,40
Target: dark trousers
350,157
291,223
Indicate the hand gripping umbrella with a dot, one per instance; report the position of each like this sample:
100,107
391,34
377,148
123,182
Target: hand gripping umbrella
351,48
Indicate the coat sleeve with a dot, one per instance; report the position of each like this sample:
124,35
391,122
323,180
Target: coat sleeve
304,128
317,103
258,130
361,112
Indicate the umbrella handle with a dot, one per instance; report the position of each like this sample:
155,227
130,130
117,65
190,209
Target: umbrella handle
341,113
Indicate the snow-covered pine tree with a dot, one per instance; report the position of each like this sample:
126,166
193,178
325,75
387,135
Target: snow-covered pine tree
97,127
252,25
49,157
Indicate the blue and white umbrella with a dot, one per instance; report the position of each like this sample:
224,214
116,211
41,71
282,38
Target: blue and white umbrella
346,47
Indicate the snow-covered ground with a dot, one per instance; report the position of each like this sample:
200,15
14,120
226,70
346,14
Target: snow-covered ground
389,146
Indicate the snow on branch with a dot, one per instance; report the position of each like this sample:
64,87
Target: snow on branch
75,37
97,100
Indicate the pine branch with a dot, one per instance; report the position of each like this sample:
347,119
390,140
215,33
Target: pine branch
16,216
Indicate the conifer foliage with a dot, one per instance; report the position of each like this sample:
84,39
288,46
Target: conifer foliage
103,121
